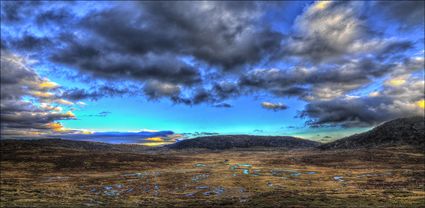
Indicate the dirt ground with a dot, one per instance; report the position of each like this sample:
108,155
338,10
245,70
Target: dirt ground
63,177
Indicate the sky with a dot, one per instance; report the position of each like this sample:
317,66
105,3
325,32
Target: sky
314,69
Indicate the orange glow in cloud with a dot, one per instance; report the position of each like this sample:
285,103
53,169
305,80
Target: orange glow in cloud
397,81
42,94
70,114
50,107
374,94
64,102
56,127
320,5
48,85
34,133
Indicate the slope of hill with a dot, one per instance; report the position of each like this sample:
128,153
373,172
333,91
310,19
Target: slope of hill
403,131
243,141
13,144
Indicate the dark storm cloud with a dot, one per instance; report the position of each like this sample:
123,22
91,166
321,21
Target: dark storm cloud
222,34
31,119
226,34
408,13
360,112
220,91
321,81
347,113
31,42
23,117
202,96
392,102
16,11
209,52
56,16
42,12
96,93
317,49
155,90
224,90
328,31
118,66
14,75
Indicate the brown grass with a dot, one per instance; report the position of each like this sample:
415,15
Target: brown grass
392,177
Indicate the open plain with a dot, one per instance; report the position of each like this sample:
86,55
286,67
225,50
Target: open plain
56,174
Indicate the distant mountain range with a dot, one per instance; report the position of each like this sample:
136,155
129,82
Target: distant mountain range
403,131
220,142
117,137
138,134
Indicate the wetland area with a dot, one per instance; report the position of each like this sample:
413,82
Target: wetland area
100,175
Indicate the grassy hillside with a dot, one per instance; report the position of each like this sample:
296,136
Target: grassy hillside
403,131
244,141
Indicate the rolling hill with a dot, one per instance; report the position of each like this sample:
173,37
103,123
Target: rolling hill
398,132
220,142
55,143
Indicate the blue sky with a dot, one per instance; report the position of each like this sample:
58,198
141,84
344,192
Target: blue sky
302,68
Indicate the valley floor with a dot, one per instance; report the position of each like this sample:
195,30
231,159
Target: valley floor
64,177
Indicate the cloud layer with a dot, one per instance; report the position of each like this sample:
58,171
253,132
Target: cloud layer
30,105
330,57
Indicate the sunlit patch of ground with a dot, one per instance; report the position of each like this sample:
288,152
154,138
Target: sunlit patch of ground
155,144
155,139
198,178
160,141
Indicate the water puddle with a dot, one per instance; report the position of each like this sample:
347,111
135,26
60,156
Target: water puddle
156,189
256,172
338,178
148,179
199,177
374,174
284,173
311,173
137,175
234,167
245,165
112,190
202,187
199,165
240,166
245,168
111,193
295,174
218,191
367,175
190,194
93,203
